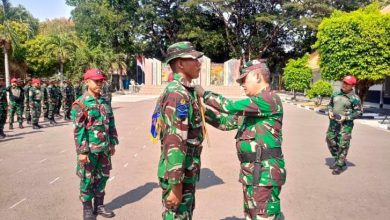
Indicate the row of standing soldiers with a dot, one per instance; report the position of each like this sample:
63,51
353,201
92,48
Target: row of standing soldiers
35,97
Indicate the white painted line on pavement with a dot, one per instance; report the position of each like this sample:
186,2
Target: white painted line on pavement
16,204
111,179
41,161
126,164
55,180
135,155
63,151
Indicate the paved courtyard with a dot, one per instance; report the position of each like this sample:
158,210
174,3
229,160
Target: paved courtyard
38,181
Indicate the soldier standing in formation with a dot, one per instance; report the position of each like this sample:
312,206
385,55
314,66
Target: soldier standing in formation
67,98
258,139
95,138
344,107
3,107
179,123
52,99
16,98
35,99
106,92
78,90
27,112
57,108
45,103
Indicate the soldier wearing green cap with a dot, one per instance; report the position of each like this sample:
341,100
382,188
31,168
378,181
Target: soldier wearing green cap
177,122
258,120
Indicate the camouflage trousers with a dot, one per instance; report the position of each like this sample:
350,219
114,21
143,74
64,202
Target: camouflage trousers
35,112
67,105
51,109
338,139
3,116
57,108
262,202
27,112
45,109
18,109
186,208
94,175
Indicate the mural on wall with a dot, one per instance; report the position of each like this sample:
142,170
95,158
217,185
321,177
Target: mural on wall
216,75
166,70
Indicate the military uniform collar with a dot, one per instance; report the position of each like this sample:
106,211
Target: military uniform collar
182,80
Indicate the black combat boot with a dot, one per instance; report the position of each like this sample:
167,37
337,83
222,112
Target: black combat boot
338,170
36,126
11,126
53,121
2,135
39,126
100,209
21,125
88,211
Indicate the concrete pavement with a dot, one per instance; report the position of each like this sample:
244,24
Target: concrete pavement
38,181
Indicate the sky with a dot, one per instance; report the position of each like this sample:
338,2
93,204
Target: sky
45,9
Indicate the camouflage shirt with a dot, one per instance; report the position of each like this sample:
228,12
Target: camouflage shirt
15,94
26,89
259,123
346,104
3,98
180,134
94,125
34,97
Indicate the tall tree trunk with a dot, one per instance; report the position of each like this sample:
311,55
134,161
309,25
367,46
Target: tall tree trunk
62,72
6,65
362,88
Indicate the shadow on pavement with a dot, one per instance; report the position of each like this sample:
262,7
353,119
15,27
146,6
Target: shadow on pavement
330,161
23,133
132,196
9,139
208,179
232,218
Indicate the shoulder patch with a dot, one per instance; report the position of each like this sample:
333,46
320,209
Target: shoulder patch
182,109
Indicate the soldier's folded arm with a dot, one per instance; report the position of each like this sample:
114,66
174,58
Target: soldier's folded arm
175,138
79,130
243,107
356,109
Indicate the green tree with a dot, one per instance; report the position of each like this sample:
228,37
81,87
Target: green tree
39,61
61,47
319,90
356,43
297,75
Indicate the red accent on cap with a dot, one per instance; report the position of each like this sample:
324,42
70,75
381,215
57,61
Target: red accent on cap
36,81
351,80
14,80
94,74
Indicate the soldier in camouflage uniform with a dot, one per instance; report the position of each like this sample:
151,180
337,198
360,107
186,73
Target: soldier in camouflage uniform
178,118
51,99
3,107
27,112
344,107
16,98
67,98
45,102
106,91
95,138
35,99
78,90
258,119
58,96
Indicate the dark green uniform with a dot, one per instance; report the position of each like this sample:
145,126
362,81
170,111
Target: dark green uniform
27,112
67,100
45,103
16,98
52,99
35,99
3,109
338,135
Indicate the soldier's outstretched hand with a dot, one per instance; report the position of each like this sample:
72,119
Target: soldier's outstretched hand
83,158
174,198
331,115
199,89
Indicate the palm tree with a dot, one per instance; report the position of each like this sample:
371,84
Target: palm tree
118,65
6,39
61,46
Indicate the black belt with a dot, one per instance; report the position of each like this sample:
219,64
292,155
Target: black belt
266,154
194,151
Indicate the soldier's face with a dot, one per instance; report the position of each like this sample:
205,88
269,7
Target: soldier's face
1,82
191,67
95,86
346,87
14,84
251,84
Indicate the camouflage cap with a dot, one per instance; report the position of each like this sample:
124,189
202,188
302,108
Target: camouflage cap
249,66
182,49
